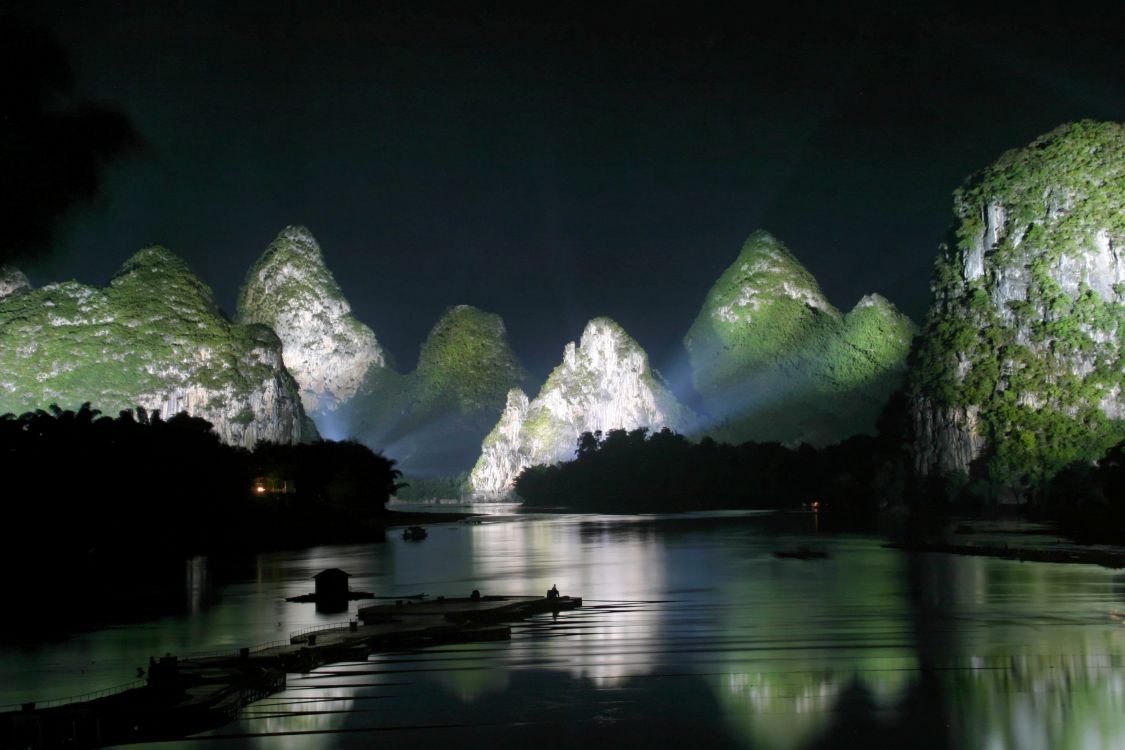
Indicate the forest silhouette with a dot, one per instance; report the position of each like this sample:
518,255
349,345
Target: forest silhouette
638,471
853,483
95,505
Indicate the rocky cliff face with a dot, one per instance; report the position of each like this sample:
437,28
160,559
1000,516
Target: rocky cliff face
328,351
12,281
152,338
1019,368
430,420
433,419
774,361
604,383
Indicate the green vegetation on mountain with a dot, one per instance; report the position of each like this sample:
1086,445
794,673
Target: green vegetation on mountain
154,338
774,360
465,364
1020,358
435,417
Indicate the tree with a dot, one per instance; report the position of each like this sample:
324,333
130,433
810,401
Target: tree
55,147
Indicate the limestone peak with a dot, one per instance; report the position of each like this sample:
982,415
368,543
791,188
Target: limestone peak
764,272
604,383
153,338
328,351
157,278
152,262
772,359
1018,365
466,358
874,300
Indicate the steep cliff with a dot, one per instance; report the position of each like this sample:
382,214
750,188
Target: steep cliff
1019,368
604,383
433,419
152,338
774,361
328,351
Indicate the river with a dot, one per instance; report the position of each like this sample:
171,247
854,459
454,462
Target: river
692,633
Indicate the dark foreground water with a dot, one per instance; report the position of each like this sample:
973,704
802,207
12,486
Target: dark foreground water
693,634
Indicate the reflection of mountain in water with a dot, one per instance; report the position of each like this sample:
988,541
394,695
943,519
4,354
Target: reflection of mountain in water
623,563
693,635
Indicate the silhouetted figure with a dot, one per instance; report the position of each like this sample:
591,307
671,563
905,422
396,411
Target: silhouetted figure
475,596
553,592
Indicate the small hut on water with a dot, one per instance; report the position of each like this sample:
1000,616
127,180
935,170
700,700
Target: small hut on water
331,584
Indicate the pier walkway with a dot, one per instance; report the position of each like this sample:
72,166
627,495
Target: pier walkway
184,696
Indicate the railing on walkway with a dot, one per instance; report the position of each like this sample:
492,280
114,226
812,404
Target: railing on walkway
94,695
318,628
232,653
267,646
106,692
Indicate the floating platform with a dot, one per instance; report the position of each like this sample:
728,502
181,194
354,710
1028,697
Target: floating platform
1093,556
185,696
469,610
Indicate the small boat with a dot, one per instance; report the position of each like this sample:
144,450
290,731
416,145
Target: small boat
802,553
414,533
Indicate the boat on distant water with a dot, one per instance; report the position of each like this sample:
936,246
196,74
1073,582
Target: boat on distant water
414,533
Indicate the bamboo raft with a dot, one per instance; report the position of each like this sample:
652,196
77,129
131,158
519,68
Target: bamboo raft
184,696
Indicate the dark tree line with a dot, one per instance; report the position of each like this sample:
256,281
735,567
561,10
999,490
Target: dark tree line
1087,500
641,472
85,494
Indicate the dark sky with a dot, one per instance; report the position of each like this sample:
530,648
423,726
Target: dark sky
555,163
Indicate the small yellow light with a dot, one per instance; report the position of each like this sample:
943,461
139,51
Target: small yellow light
260,489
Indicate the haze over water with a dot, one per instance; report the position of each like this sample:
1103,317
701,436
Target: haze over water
691,633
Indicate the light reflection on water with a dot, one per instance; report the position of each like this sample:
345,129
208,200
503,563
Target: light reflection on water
692,633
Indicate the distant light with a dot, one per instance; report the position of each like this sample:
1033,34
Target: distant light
260,489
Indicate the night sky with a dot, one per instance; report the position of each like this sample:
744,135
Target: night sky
556,163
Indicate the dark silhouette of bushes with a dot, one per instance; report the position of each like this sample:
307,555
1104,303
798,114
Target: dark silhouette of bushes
1087,501
641,472
97,504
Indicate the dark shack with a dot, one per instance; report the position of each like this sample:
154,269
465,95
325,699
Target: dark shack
331,584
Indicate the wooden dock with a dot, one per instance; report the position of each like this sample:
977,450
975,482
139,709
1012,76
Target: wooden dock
184,696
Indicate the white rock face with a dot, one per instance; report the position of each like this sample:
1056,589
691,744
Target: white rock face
1024,340
604,383
502,455
267,411
947,440
327,350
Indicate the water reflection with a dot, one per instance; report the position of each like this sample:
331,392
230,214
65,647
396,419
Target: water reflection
692,634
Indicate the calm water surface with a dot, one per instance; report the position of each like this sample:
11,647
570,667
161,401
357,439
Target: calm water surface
692,634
